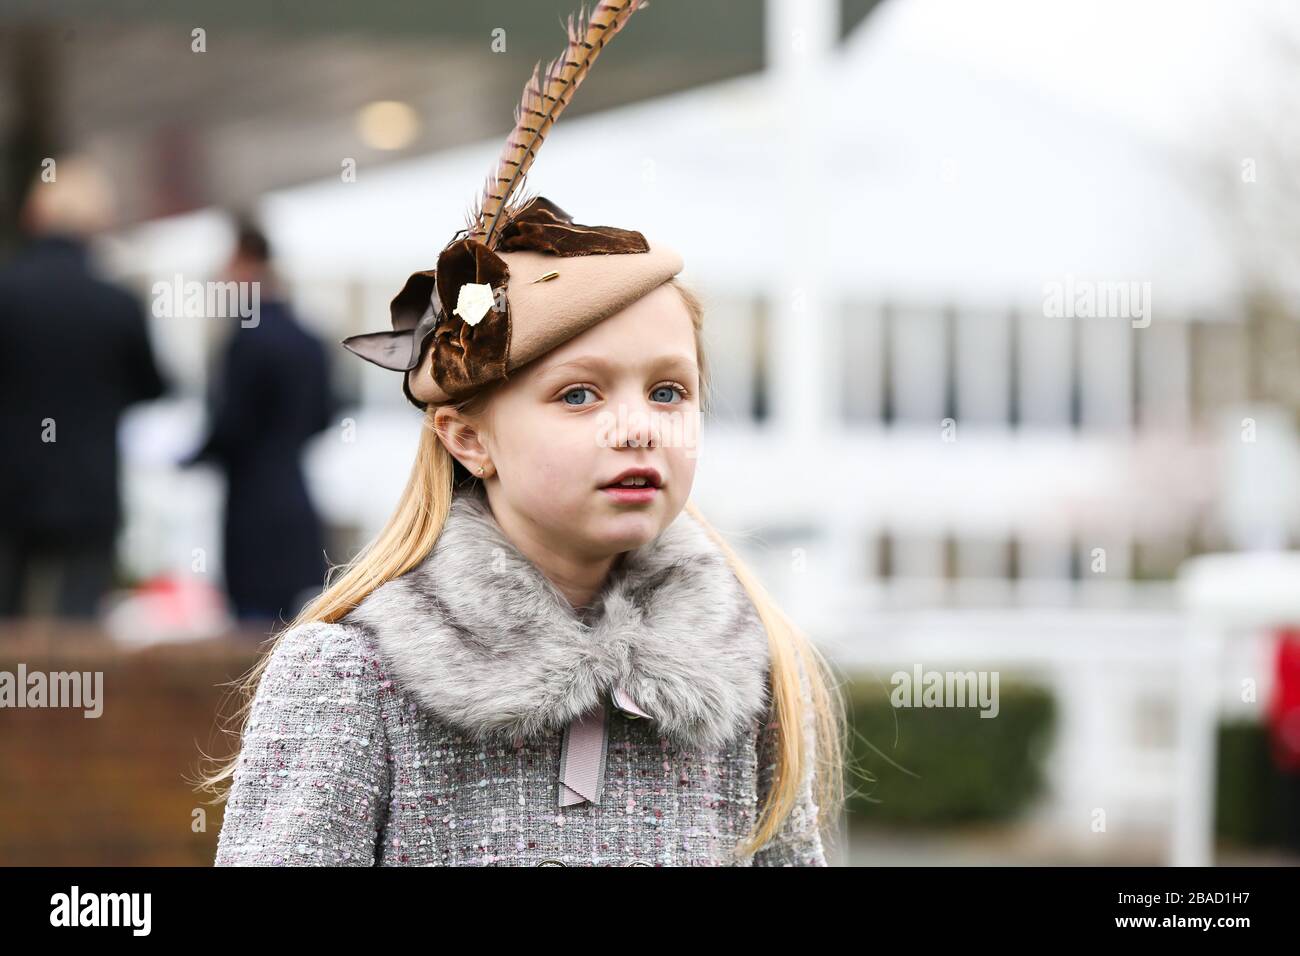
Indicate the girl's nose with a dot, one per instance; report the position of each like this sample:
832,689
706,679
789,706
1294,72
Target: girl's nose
640,438
640,427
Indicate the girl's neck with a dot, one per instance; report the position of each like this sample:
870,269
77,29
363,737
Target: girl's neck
578,577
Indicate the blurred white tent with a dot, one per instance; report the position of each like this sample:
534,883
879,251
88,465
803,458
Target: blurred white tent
967,151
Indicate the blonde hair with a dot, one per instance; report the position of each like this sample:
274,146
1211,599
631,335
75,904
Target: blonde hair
412,530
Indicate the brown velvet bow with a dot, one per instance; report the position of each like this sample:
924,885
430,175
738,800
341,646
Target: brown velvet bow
414,314
543,226
468,356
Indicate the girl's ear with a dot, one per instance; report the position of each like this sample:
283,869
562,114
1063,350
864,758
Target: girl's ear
461,438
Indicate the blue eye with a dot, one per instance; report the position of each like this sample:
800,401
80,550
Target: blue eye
671,390
578,390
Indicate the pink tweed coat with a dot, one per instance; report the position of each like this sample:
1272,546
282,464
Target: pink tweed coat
429,726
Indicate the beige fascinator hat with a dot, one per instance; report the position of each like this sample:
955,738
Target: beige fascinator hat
522,277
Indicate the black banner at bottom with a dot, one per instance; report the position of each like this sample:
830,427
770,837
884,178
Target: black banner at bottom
333,906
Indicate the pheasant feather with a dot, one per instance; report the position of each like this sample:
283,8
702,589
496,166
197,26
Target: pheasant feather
543,101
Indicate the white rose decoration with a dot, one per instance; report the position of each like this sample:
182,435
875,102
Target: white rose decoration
474,301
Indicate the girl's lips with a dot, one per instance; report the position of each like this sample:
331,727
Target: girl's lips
631,496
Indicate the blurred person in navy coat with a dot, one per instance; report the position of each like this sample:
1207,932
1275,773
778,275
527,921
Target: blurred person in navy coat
74,353
272,394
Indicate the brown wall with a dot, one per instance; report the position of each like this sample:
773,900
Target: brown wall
117,789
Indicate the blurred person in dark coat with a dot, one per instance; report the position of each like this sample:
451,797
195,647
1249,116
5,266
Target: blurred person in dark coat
74,353
272,394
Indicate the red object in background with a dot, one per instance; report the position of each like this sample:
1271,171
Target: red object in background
1284,709
168,607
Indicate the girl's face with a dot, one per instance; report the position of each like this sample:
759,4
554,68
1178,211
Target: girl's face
558,431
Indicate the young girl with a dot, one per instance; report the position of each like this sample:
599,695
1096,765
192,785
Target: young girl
547,656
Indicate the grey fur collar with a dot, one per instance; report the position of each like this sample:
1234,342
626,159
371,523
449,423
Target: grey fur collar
486,642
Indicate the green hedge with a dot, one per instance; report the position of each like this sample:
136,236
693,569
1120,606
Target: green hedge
940,766
936,767
1258,805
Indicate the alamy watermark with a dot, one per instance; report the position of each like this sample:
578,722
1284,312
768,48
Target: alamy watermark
1085,299
664,429
208,300
80,689
75,908
922,688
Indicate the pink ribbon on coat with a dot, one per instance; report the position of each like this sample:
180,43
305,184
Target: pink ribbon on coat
582,752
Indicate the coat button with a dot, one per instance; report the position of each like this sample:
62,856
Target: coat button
552,862
638,863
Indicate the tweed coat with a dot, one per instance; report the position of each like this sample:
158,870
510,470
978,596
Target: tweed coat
425,727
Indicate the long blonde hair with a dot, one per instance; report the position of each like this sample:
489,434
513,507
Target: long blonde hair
411,532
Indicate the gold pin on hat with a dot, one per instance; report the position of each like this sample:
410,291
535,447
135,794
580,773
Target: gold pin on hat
545,277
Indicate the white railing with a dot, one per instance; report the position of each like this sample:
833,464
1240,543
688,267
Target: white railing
1114,672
